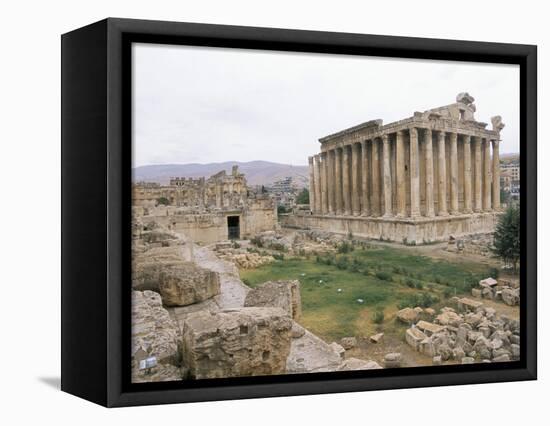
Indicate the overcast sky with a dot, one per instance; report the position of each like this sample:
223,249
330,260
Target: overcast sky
202,105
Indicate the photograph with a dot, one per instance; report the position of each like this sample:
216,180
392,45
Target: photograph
298,212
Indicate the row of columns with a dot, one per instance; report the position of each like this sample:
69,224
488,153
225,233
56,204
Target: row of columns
346,183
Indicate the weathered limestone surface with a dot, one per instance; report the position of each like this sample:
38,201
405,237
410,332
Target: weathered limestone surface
310,354
185,283
154,334
236,342
277,294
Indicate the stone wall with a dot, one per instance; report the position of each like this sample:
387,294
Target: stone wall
408,231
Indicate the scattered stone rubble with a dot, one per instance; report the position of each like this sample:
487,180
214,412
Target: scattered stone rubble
471,333
475,244
504,290
242,257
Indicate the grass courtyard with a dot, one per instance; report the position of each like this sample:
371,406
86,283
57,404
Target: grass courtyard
344,294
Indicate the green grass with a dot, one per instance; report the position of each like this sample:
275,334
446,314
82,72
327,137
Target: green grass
377,276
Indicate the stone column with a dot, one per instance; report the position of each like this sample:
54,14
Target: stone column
442,181
365,202
346,180
324,183
338,178
311,185
487,174
415,173
429,164
477,174
454,173
467,175
375,196
330,181
400,174
355,182
317,178
386,176
496,175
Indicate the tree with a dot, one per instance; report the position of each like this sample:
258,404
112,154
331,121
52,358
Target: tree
303,197
163,201
506,238
504,196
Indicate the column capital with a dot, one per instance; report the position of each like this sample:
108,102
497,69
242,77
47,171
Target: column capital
385,138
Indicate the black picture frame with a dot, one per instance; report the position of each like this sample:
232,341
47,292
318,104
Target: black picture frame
96,183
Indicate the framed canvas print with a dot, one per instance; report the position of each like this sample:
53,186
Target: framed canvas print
254,212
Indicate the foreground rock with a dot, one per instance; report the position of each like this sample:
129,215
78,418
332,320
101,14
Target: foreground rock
154,337
277,294
236,342
186,283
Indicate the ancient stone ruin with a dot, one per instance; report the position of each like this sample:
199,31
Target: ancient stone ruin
204,210
417,180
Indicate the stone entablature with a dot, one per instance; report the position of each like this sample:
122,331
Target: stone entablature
435,163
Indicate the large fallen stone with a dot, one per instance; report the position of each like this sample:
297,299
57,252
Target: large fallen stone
429,328
510,296
414,337
407,315
449,318
277,294
186,283
154,337
236,342
465,304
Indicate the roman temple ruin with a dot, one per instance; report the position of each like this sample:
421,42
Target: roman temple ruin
418,180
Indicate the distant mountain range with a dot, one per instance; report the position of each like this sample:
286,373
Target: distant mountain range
256,172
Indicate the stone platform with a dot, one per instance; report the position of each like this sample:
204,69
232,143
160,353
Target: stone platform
407,230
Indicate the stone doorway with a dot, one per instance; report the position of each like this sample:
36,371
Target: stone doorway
233,227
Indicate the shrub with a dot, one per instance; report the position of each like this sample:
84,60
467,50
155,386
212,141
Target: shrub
418,285
278,256
163,201
345,247
257,241
493,272
423,300
448,292
342,262
410,282
384,276
377,316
